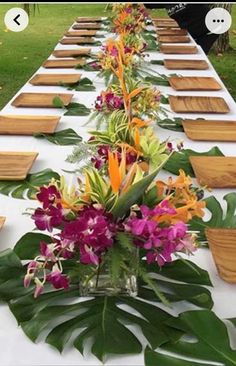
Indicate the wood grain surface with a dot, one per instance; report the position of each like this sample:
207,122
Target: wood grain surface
210,130
88,19
87,26
77,40
40,100
81,33
178,49
176,64
194,83
55,79
63,64
16,165
27,125
174,39
172,32
215,171
185,104
222,243
72,53
2,220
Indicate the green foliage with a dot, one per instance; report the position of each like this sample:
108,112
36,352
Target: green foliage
28,187
63,137
174,124
72,109
56,314
209,343
218,219
180,160
84,84
158,80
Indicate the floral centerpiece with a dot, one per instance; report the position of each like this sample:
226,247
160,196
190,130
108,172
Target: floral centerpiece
107,225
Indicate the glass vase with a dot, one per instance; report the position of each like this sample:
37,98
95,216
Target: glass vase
101,283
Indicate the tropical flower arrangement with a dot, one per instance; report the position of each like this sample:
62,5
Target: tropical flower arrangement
108,224
129,18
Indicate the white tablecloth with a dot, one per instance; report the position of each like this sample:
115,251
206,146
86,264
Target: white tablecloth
15,348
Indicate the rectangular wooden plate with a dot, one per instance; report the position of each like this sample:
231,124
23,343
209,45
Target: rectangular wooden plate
2,220
81,33
186,64
55,79
63,64
166,23
27,125
77,40
40,100
210,130
176,49
87,26
215,171
186,104
174,39
88,19
172,32
16,165
194,83
72,53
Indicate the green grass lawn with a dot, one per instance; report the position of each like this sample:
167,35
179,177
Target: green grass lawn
22,53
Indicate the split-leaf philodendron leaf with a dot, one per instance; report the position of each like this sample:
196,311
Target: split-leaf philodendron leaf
63,137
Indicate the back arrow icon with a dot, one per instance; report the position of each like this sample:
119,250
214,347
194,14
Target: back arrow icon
15,19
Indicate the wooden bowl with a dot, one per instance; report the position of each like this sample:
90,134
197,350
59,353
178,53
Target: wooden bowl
222,243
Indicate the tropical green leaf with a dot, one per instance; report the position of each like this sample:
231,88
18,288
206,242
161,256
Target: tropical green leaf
211,340
158,80
134,193
28,245
76,109
171,124
58,103
153,358
157,62
28,187
180,160
84,84
164,100
219,218
63,137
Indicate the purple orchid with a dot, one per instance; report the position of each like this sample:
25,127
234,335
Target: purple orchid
57,279
49,218
48,195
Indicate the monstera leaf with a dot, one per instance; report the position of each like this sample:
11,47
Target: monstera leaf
180,160
63,137
104,321
28,187
171,124
218,218
210,342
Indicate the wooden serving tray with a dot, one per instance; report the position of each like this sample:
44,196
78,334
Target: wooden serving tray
2,220
27,125
215,171
186,104
186,64
88,19
72,53
81,33
40,100
87,26
63,64
174,39
181,50
77,40
55,79
194,83
16,165
172,32
210,130
166,23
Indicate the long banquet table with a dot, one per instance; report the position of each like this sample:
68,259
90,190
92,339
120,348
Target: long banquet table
15,347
